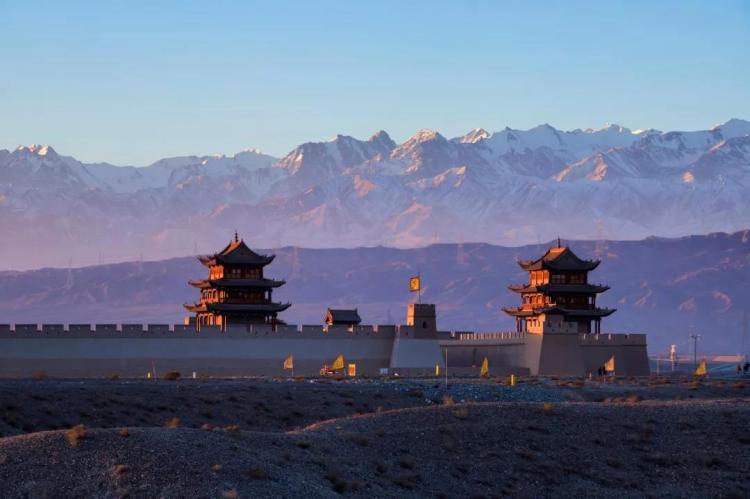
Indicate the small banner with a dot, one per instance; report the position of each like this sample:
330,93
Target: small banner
701,370
415,284
485,370
609,366
338,363
289,362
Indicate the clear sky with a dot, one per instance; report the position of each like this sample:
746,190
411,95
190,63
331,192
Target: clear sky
132,81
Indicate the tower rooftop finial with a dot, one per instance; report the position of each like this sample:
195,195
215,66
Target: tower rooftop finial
236,237
558,242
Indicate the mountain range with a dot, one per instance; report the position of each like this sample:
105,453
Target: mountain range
666,288
510,187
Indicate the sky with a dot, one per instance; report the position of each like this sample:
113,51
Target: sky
129,82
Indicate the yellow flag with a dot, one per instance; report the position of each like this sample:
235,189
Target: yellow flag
338,363
415,284
485,370
609,366
701,370
289,362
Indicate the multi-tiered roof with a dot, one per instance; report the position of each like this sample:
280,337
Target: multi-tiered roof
558,284
236,292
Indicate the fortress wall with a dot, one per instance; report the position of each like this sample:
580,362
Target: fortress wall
629,350
503,358
387,328
212,354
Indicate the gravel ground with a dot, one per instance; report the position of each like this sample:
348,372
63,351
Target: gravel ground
538,439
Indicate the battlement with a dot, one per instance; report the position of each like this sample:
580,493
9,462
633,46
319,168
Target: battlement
188,331
612,339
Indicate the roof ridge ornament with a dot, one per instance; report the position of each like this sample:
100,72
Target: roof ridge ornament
236,237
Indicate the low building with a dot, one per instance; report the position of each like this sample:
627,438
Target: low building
342,317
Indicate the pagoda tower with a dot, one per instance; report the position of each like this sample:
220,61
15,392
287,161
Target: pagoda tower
236,293
558,287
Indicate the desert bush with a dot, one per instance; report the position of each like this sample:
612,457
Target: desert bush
173,423
229,494
120,469
258,474
232,428
113,377
461,413
217,468
406,481
124,433
172,375
548,407
75,434
633,398
407,463
39,375
360,440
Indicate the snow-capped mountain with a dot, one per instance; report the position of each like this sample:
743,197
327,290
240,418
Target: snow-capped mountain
507,187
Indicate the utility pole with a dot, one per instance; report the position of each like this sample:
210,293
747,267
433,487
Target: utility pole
695,337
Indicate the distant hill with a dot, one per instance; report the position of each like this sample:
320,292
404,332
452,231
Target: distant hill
661,287
510,187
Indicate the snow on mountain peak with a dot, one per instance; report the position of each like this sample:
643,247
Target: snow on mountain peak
474,136
38,149
424,135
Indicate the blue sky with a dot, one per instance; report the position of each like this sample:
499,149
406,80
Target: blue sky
130,82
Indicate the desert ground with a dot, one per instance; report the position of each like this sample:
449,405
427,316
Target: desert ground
214,438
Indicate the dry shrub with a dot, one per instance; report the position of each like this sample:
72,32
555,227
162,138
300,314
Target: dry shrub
124,433
232,428
407,463
39,375
461,413
406,481
217,468
229,494
740,385
447,400
633,398
120,469
172,375
548,407
113,377
360,440
339,484
258,474
75,434
173,423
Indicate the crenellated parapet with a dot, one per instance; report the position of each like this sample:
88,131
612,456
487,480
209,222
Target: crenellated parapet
612,339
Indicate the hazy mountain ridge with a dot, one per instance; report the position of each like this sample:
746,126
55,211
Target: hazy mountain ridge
507,187
661,287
